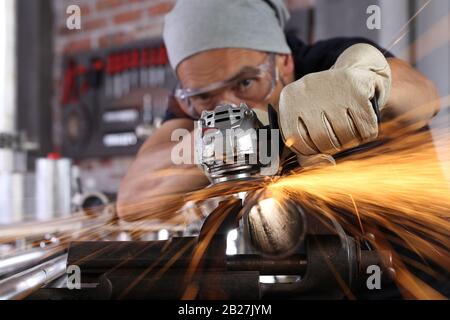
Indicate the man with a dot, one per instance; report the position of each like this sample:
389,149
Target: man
235,50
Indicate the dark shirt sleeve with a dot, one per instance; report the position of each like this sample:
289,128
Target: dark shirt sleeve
323,54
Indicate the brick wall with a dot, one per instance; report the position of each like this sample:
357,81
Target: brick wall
108,23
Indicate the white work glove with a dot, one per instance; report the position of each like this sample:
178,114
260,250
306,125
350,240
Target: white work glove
327,112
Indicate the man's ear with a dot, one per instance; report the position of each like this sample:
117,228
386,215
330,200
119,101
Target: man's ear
286,67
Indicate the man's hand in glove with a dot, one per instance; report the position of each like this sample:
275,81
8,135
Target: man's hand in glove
327,112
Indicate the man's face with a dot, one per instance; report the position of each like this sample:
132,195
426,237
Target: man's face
222,65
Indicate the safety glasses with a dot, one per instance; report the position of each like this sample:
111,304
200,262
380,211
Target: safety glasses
251,84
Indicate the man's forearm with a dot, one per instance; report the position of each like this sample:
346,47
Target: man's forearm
414,99
153,174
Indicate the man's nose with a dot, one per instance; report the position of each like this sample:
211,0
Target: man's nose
228,97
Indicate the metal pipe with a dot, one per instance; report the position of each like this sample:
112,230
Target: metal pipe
294,265
20,285
76,222
17,262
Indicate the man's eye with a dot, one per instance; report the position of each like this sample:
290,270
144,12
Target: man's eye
245,84
202,97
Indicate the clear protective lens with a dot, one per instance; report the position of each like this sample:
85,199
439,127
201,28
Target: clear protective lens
255,84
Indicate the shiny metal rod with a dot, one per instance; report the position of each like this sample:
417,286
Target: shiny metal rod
16,262
20,285
293,265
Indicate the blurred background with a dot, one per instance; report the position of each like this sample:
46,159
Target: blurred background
76,104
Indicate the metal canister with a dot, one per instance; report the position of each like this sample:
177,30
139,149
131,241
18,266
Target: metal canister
16,197
53,187
64,190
